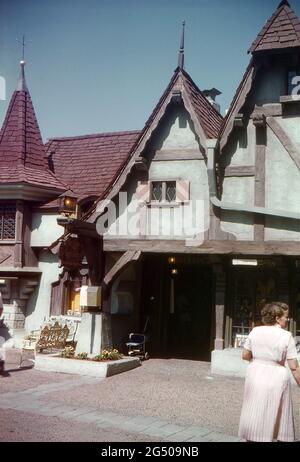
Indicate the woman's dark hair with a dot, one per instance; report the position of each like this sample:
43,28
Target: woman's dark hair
271,311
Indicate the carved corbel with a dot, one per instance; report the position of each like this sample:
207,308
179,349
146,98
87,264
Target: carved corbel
259,120
176,97
239,121
141,164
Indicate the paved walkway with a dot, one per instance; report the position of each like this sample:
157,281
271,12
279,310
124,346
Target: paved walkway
163,400
31,402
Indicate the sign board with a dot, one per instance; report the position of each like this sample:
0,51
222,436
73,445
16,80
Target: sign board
90,296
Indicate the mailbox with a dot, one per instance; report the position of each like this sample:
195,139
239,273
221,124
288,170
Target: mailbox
90,297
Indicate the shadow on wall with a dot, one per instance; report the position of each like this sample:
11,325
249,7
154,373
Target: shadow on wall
36,300
168,122
121,326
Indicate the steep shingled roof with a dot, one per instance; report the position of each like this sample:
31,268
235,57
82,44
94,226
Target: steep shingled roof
205,116
88,164
282,30
209,118
22,152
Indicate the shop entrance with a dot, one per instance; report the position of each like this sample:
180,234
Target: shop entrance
177,300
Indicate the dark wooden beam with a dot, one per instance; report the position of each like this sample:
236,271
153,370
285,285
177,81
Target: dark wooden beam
18,250
260,174
220,291
120,265
79,227
178,154
93,250
208,247
240,170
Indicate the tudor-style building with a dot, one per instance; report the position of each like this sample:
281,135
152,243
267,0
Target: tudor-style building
205,293
33,177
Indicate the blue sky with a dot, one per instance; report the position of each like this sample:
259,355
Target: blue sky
101,65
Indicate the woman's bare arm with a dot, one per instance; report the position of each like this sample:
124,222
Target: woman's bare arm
247,355
294,366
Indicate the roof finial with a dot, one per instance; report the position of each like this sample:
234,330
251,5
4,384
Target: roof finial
181,51
23,43
22,83
282,3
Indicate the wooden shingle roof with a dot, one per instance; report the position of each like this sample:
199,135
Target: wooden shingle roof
22,152
281,31
89,163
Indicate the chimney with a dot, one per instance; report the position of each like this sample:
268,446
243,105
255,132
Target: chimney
211,96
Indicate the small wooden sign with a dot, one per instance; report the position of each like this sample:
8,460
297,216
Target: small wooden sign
71,254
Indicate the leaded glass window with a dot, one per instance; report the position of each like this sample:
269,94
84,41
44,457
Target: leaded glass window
7,221
163,191
156,191
171,191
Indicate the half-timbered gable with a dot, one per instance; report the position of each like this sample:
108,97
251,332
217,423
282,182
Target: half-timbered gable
167,169
259,143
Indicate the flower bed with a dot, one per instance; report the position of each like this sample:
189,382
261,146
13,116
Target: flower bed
106,355
83,365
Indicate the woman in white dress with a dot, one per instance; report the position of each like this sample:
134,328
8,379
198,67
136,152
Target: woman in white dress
267,413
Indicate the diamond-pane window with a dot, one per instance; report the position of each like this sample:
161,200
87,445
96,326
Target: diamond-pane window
156,191
171,191
7,221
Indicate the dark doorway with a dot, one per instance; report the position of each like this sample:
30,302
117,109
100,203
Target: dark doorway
177,300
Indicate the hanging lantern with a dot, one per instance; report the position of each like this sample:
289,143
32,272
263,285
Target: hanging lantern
67,203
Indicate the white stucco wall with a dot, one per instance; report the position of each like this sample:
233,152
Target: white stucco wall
282,177
238,191
282,183
45,229
244,152
180,135
168,222
38,305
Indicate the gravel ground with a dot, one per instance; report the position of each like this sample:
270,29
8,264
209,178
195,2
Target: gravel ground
183,392
178,391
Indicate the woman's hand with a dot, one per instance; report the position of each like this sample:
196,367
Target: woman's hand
247,355
295,369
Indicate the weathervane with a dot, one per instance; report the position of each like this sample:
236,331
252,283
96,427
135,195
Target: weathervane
23,43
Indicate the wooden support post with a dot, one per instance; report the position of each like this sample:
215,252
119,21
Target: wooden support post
18,250
93,250
260,173
219,306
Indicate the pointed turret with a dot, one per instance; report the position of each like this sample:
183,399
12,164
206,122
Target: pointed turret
22,152
281,31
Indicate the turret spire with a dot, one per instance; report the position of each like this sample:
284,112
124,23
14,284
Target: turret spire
22,82
181,50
